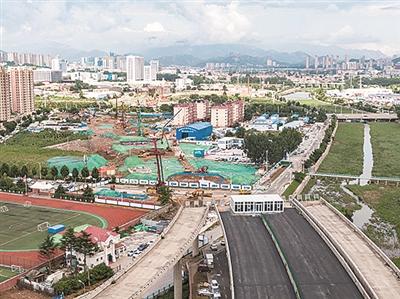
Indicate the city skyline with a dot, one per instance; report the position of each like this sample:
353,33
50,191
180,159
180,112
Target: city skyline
128,26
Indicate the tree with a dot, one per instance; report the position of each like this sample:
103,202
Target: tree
64,171
86,247
44,171
6,183
60,191
397,109
47,249
165,195
24,171
54,172
88,194
75,173
5,169
85,172
14,172
68,242
95,173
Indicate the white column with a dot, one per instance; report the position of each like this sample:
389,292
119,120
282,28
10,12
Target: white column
178,280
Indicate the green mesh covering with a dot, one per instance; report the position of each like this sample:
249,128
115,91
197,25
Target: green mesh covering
171,166
77,162
89,132
188,148
110,135
106,126
236,173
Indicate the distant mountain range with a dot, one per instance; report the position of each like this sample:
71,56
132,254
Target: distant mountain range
198,55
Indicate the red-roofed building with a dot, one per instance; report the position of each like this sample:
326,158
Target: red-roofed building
106,241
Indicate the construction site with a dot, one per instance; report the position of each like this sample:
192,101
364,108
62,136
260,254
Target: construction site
133,147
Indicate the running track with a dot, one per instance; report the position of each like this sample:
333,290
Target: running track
115,216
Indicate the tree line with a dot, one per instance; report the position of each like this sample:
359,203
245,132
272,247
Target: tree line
257,145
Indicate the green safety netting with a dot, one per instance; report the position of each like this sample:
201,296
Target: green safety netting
148,168
77,162
236,173
77,229
89,132
188,148
105,126
110,135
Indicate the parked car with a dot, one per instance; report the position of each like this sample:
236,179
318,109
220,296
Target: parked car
143,247
214,247
223,243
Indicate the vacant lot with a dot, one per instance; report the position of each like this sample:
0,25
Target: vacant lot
28,148
346,153
18,226
385,200
385,138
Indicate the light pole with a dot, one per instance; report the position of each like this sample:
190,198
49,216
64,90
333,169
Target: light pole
84,287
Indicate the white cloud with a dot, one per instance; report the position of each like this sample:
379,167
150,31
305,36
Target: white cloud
154,27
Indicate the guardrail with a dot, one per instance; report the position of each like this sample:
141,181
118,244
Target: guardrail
228,253
348,264
371,244
129,266
177,257
282,256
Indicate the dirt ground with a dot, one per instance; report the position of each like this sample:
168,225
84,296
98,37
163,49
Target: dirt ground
22,294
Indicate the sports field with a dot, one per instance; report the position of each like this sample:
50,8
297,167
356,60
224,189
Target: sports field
6,273
18,225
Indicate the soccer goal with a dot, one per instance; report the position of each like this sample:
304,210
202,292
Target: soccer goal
15,268
3,209
43,226
27,204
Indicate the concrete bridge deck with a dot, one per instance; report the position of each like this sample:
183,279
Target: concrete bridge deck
379,276
165,254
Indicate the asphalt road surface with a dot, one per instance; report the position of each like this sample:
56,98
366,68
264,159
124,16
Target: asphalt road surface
316,269
258,271
221,274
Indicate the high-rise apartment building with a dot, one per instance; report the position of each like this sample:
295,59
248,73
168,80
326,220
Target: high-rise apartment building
134,68
5,98
155,66
21,90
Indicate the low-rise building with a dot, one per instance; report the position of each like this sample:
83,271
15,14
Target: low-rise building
256,203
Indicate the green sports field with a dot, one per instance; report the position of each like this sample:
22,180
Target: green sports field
18,225
6,273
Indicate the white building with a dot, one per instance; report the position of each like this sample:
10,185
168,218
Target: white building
147,73
256,203
134,68
106,241
155,66
230,142
182,83
55,64
41,75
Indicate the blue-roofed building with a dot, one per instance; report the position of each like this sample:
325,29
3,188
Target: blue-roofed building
195,131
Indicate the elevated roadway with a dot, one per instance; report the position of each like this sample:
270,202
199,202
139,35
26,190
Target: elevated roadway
374,267
258,271
317,271
367,116
162,257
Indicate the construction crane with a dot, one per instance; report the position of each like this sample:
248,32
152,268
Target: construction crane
157,153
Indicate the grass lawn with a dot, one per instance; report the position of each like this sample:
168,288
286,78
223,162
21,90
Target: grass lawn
18,226
346,153
385,200
291,188
385,138
28,148
6,273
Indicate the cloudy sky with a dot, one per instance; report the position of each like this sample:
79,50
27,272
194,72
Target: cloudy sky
128,25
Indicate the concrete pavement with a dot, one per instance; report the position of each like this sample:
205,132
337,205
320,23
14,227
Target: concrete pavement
378,275
158,260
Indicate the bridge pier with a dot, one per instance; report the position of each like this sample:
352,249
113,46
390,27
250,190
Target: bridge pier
195,247
178,280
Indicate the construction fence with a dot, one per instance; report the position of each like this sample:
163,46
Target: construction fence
192,185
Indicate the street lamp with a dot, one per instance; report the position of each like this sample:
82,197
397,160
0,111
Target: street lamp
84,287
